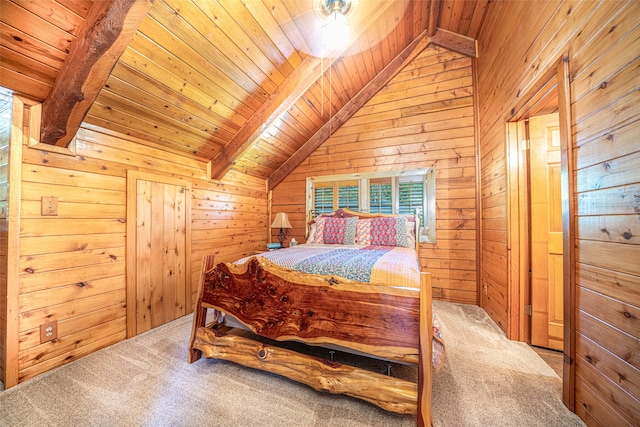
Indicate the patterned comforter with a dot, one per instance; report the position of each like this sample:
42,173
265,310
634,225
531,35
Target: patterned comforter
394,266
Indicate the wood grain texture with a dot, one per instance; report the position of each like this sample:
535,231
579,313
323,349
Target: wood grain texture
72,267
109,28
391,132
389,393
6,107
604,207
282,305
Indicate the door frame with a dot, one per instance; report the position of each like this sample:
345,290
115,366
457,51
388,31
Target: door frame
131,240
553,82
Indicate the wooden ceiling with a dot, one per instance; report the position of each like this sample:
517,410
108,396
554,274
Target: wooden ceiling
244,84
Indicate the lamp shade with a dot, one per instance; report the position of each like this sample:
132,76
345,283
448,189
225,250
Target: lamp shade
335,30
281,221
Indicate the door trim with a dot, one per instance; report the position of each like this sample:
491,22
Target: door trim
132,210
553,82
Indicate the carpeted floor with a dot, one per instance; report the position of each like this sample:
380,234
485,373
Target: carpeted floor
486,380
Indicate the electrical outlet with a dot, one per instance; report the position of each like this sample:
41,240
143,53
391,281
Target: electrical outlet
49,206
48,331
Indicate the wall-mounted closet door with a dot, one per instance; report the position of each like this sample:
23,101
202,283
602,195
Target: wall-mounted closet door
157,270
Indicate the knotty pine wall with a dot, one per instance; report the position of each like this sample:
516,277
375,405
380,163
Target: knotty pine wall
423,117
85,243
518,43
5,135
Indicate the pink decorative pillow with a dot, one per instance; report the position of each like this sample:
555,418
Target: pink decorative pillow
339,231
363,232
382,231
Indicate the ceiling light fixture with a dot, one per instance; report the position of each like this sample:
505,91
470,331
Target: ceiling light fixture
335,26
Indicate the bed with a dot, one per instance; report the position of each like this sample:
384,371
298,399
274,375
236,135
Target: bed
355,286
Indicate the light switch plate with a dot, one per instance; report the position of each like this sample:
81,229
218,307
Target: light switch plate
49,206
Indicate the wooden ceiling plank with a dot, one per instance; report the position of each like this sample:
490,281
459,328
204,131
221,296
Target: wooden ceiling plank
465,18
457,10
124,117
79,7
271,28
378,82
281,15
455,42
16,81
109,28
367,58
194,48
54,13
37,27
279,102
219,100
30,47
134,107
27,66
276,70
155,88
420,15
477,19
287,94
257,36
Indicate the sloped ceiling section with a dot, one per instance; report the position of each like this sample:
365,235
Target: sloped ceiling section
242,84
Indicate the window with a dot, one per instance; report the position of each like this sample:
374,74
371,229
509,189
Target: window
402,192
323,198
380,195
348,193
411,195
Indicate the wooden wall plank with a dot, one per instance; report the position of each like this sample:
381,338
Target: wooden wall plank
72,266
601,41
392,131
6,107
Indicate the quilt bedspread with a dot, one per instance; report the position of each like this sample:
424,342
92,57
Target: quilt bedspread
394,266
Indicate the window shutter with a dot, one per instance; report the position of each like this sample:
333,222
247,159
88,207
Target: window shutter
348,195
322,199
380,196
411,195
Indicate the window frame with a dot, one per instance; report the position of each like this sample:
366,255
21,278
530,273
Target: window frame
427,232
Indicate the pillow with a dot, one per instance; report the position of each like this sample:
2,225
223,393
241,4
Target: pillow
335,231
382,231
411,234
312,232
363,232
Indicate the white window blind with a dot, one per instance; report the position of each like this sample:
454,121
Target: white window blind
323,198
348,195
380,196
411,197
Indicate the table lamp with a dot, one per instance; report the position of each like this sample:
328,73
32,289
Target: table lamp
281,221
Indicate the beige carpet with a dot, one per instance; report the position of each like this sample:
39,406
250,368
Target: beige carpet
486,381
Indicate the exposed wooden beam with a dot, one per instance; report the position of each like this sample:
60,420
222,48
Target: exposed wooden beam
296,84
434,16
455,42
108,29
382,78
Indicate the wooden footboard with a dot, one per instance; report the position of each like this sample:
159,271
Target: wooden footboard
284,305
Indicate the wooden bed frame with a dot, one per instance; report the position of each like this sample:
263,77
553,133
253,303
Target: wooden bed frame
283,305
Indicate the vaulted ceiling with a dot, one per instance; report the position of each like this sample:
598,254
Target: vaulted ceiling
242,84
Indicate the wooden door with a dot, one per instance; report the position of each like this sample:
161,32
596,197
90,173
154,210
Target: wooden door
546,233
161,287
